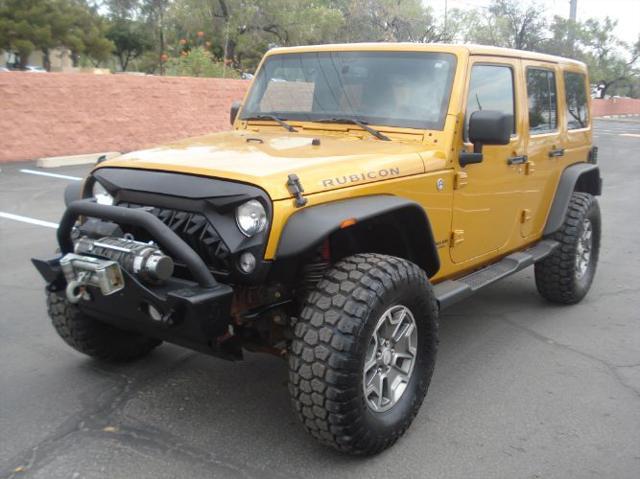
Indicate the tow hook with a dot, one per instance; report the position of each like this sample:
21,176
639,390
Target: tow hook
76,289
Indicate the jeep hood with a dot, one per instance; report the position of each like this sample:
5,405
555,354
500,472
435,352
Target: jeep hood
266,159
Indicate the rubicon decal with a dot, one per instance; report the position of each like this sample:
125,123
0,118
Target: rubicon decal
357,177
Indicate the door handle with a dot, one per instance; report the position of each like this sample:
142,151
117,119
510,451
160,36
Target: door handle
556,153
517,160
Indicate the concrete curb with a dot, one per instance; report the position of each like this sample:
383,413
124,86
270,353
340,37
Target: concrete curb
630,115
57,161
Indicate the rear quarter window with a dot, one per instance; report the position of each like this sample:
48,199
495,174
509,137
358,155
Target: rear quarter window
577,110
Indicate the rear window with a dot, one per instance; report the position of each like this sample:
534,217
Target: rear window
575,86
543,104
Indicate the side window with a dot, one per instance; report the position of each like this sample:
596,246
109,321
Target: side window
543,104
576,93
491,88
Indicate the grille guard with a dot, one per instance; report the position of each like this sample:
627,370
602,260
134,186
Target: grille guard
162,234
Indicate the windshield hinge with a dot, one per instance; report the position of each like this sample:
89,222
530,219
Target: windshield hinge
296,189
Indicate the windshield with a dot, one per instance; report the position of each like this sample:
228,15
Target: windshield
404,89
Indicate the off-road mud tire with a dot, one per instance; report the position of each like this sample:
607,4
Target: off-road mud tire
95,338
556,277
328,350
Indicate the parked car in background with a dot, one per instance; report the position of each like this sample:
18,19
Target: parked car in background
4,69
34,69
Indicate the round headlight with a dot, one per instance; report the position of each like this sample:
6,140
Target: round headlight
251,218
247,262
101,195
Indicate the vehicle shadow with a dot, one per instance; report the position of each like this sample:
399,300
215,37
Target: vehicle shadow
240,411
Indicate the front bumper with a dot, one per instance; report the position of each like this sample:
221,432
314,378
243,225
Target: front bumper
194,314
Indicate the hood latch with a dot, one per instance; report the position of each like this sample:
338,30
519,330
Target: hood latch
296,189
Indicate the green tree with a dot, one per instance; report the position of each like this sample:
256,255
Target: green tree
607,67
131,40
155,13
25,27
566,38
388,20
122,9
242,30
30,25
595,43
510,24
197,62
85,32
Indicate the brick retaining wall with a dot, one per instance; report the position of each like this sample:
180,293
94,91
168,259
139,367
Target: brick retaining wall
616,106
65,114
52,114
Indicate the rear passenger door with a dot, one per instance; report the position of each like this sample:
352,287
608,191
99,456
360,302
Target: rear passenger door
485,209
545,146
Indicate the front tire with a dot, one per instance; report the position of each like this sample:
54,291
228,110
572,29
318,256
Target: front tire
370,316
566,275
95,338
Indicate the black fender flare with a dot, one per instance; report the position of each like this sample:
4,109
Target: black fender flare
72,193
583,177
307,228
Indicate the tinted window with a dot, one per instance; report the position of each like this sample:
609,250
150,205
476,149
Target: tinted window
576,93
543,104
409,89
491,88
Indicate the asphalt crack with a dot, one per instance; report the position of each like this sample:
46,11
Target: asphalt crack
100,417
612,368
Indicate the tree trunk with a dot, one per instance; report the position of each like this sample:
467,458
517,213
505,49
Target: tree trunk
24,60
46,59
162,45
75,59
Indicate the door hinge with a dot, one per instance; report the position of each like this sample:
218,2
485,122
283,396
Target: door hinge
460,180
530,167
457,237
525,216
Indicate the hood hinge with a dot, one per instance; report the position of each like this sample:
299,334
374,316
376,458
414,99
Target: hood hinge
296,189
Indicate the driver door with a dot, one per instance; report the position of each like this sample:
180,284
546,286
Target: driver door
485,204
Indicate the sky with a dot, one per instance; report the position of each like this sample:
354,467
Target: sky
627,12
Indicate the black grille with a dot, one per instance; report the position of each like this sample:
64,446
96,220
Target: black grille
195,230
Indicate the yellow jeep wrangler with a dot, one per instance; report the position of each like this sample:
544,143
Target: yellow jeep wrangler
362,189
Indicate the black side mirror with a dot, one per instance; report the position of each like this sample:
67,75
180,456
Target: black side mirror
235,107
486,127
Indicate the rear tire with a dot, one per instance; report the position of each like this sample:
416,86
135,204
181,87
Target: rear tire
566,275
95,338
337,337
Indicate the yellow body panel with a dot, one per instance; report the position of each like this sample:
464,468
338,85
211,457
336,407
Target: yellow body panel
501,208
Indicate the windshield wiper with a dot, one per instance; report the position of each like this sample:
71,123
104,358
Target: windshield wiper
360,123
279,121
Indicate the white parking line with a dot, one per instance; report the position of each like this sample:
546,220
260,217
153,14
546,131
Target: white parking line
26,219
634,135
52,175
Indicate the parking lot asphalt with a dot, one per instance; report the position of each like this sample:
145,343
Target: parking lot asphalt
522,388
